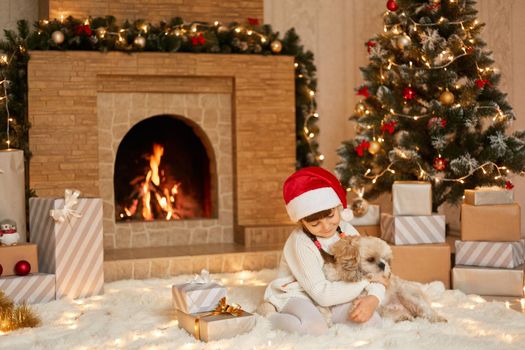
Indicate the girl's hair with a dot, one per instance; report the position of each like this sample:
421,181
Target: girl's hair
313,217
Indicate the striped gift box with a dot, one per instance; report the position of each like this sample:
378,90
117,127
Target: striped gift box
400,230
72,250
32,289
193,298
490,254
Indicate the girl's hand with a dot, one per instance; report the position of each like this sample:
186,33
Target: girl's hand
363,309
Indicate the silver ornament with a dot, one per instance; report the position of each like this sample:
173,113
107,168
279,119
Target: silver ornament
58,37
403,41
359,207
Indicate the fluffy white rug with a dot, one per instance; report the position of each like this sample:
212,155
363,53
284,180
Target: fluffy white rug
139,315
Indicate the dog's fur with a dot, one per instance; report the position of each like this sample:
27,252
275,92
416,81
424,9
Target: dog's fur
359,257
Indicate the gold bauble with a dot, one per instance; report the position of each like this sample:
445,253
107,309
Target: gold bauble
403,41
446,98
374,147
276,46
360,109
140,42
359,207
223,29
58,37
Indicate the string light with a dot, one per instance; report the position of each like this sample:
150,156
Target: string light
4,60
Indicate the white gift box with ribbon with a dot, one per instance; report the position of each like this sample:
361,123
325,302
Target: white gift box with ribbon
201,294
68,232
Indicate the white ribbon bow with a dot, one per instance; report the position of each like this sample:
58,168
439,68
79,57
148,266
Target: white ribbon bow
203,278
68,211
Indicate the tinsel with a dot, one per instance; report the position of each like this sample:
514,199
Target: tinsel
13,317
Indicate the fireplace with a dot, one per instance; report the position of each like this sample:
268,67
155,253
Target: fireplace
164,170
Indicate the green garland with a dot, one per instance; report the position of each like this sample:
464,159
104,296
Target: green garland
103,34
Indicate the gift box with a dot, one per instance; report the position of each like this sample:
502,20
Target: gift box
209,327
374,230
490,254
371,217
412,198
70,242
489,280
32,289
422,263
10,255
13,190
194,297
400,230
488,196
494,223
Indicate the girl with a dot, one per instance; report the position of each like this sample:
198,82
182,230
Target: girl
317,201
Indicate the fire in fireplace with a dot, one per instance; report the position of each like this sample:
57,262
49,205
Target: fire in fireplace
165,170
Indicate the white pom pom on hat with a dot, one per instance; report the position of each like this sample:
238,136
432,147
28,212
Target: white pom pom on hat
311,190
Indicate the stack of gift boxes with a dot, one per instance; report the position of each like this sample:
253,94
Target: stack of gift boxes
490,255
65,254
203,312
417,235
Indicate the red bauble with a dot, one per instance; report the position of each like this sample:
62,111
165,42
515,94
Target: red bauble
1,270
509,185
409,93
391,5
440,163
22,268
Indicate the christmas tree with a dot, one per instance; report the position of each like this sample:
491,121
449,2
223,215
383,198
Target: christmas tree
431,108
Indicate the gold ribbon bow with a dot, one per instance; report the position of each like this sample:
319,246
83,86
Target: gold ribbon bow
68,211
222,309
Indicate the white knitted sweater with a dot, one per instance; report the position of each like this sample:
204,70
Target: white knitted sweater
301,275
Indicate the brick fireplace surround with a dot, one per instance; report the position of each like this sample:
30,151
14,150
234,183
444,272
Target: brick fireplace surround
81,104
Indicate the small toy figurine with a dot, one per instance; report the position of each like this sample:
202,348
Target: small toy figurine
8,233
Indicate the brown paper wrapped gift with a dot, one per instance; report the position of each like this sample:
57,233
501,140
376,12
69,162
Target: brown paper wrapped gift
488,280
493,223
10,255
412,198
422,263
225,322
489,196
374,230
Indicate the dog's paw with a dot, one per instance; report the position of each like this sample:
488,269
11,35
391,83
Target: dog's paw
265,309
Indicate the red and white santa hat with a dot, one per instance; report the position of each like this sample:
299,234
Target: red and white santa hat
311,190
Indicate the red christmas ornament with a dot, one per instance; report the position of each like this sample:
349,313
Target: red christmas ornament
253,21
1,269
409,93
198,40
509,185
364,92
22,268
83,29
482,82
370,44
391,5
440,163
362,148
389,127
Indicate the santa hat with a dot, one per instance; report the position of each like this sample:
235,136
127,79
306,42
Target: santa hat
311,190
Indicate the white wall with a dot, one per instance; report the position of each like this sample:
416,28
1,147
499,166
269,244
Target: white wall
13,10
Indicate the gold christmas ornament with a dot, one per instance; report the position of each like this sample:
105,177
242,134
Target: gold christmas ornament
374,147
222,29
58,37
446,98
360,109
140,42
359,207
403,41
276,46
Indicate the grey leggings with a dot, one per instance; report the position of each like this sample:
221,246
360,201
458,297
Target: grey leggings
302,316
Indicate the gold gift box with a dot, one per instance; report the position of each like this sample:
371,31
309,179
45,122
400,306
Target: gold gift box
207,326
422,263
412,198
493,223
489,280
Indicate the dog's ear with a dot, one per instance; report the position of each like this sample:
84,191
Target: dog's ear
346,254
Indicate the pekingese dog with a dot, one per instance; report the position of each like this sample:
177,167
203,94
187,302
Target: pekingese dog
359,257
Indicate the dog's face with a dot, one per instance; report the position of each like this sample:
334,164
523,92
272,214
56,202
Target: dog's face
357,257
